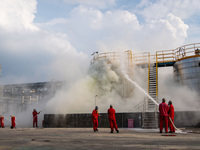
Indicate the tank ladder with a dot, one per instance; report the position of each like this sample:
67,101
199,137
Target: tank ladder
152,86
150,115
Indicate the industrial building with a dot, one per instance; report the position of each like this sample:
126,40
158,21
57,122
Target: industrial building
18,97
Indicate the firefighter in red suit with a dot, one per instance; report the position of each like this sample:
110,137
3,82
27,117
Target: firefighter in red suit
95,118
1,121
163,109
112,120
35,120
13,124
171,115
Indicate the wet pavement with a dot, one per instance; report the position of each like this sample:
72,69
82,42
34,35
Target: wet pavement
86,139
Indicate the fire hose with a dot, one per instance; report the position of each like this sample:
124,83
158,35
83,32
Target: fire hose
174,125
7,118
39,112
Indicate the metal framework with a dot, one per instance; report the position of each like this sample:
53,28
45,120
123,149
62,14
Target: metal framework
145,59
166,57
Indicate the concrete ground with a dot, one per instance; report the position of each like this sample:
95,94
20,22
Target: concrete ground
86,139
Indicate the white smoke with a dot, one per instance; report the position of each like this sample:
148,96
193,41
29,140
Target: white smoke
182,97
22,112
102,80
105,80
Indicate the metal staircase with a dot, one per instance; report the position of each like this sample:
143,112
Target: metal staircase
152,86
150,115
150,120
162,58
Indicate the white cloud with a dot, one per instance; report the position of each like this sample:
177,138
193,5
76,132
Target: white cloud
121,30
40,56
88,29
181,8
166,33
34,54
17,14
115,19
187,10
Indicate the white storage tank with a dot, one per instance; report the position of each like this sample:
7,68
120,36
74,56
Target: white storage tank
187,70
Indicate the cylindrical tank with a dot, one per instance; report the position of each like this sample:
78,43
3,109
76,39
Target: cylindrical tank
187,71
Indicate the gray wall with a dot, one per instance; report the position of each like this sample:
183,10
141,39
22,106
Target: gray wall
187,119
85,120
182,119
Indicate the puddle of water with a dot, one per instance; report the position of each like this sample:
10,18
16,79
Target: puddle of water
168,135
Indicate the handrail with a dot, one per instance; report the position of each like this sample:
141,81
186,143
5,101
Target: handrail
163,56
187,51
141,58
138,107
106,55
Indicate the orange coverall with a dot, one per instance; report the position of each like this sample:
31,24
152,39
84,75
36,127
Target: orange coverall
171,115
35,120
163,109
95,119
112,120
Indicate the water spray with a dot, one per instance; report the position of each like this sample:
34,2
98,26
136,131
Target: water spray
39,112
128,78
7,119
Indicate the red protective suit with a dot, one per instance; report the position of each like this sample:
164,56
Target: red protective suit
163,109
112,120
35,120
13,124
95,119
1,121
171,115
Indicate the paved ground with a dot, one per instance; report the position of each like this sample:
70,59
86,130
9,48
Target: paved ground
86,139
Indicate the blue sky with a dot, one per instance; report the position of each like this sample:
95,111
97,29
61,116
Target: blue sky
41,40
50,9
